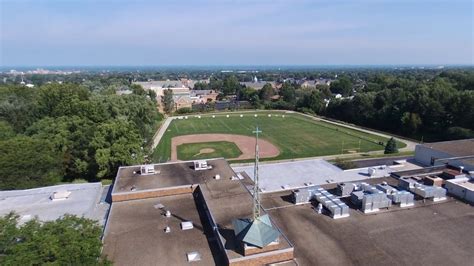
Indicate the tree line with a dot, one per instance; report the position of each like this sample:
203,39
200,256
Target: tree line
63,132
426,105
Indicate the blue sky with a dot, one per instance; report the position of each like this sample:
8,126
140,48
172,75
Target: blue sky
213,32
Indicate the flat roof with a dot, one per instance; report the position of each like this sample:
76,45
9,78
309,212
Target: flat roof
279,176
469,183
168,175
225,199
135,233
429,233
85,200
464,147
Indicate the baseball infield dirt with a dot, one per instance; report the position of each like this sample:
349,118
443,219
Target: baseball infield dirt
246,144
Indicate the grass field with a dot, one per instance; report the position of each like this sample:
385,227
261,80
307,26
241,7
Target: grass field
296,136
192,151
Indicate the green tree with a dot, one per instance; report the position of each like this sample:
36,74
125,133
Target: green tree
167,101
138,89
57,100
343,86
18,106
27,162
288,93
411,122
69,240
313,101
266,93
230,85
72,137
116,143
391,146
6,131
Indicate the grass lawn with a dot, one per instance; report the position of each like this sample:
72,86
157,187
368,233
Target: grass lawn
296,136
192,151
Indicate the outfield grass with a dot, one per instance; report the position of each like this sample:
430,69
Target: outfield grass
296,136
192,151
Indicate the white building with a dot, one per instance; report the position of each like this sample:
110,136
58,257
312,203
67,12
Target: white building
455,152
462,188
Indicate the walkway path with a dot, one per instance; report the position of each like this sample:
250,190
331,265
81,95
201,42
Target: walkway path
161,131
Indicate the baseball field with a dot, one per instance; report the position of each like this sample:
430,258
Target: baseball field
284,136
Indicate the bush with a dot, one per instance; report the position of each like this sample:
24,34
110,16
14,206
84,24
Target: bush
343,164
184,110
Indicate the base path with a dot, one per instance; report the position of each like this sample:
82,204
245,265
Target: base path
246,144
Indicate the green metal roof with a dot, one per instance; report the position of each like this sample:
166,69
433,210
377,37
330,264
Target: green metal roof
258,233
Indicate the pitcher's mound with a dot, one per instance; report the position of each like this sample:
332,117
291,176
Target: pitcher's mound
206,150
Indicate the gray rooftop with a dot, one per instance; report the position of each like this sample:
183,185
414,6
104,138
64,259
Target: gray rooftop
85,200
464,147
134,222
428,234
169,175
135,232
291,175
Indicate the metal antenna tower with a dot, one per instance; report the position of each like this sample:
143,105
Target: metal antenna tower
256,192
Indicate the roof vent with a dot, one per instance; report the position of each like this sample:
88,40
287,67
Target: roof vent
60,195
167,229
187,225
193,256
159,206
168,214
217,177
147,169
201,165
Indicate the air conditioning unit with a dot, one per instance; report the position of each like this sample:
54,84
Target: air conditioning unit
201,165
147,169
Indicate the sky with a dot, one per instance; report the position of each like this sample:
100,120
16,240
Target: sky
246,32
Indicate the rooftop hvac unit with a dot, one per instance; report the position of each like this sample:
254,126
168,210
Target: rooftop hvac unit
187,225
201,165
147,169
372,171
60,195
193,256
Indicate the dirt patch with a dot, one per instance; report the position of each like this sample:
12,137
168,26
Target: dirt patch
206,150
246,144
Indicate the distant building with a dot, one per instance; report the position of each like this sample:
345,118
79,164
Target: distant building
258,85
203,96
456,152
181,91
